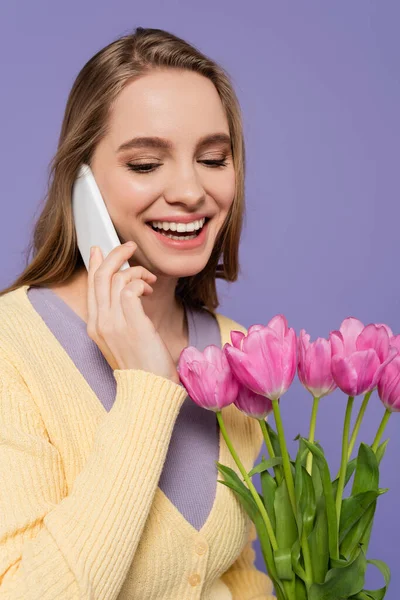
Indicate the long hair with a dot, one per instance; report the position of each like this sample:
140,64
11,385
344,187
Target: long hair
53,246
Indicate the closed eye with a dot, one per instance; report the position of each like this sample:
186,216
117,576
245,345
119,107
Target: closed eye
149,167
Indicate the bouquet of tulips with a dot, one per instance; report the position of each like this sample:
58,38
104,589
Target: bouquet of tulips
314,540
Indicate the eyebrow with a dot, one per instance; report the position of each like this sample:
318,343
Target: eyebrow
157,142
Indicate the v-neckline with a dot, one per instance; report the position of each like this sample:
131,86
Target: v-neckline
161,501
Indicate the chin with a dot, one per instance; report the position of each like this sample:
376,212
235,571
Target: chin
179,271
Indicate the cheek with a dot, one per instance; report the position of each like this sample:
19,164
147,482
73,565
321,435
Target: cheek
224,192
127,197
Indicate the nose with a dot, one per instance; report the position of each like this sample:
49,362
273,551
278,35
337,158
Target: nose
185,188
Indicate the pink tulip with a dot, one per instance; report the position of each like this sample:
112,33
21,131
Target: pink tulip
314,365
252,404
389,385
395,342
390,332
359,354
264,360
207,377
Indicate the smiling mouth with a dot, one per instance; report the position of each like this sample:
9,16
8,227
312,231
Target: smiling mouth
178,235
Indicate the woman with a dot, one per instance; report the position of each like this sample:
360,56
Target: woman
108,478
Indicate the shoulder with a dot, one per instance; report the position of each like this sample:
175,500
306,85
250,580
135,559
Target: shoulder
15,319
226,325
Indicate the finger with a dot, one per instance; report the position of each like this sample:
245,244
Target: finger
131,303
103,275
95,261
122,278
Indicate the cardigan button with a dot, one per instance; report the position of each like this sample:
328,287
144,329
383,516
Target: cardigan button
201,548
194,579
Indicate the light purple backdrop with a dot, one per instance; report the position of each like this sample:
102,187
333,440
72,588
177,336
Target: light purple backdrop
319,86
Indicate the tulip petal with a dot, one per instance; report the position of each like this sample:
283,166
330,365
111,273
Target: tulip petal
237,339
240,364
350,330
395,341
337,343
252,404
393,352
279,324
255,327
389,331
317,369
376,338
389,385
355,373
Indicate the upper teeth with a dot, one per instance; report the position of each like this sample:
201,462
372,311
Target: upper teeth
166,225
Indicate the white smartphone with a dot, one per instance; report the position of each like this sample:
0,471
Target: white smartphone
93,223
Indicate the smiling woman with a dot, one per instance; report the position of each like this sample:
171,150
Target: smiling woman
108,480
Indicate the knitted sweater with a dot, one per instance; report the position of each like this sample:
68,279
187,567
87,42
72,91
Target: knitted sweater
189,474
81,512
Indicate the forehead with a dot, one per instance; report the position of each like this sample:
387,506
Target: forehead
170,103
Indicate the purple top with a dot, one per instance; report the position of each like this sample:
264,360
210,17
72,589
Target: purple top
189,475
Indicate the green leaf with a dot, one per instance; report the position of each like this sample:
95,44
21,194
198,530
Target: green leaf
268,487
233,481
286,532
380,452
329,500
353,509
317,481
308,506
318,542
244,495
264,465
376,594
300,590
283,563
274,440
349,472
297,567
357,534
366,479
342,581
367,472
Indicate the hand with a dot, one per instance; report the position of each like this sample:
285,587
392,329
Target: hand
117,322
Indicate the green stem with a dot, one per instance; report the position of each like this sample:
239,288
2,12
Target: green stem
270,449
311,434
250,484
381,429
358,423
285,456
343,464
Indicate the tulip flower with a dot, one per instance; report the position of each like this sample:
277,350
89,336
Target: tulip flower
314,371
359,354
389,390
252,404
389,385
207,377
264,360
314,365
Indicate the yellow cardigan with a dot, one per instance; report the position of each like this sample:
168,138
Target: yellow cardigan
81,514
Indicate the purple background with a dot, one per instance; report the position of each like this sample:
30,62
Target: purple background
319,86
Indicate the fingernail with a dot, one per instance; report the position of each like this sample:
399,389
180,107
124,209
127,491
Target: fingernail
92,250
130,244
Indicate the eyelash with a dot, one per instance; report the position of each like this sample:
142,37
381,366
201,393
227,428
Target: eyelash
139,168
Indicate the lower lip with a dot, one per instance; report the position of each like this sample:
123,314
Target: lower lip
184,244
